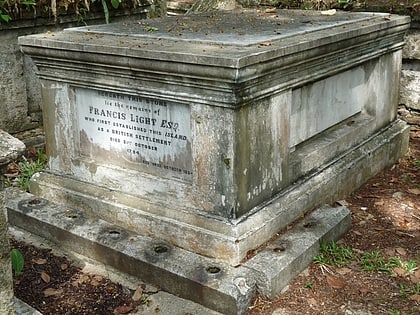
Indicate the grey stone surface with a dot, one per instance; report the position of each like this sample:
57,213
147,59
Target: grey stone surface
196,135
291,253
410,88
180,273
411,49
233,28
6,282
209,282
10,149
24,309
410,76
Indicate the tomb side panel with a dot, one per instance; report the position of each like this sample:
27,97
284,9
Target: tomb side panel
382,77
324,103
262,150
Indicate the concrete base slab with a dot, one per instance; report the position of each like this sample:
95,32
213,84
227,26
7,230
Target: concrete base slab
206,281
209,282
292,252
24,309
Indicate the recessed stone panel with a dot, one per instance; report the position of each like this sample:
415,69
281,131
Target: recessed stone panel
150,134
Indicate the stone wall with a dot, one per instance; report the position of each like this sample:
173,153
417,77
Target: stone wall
20,106
410,77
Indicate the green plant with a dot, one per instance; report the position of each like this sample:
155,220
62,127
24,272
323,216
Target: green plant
345,4
410,266
17,261
375,261
406,290
309,284
10,9
29,168
7,5
394,311
114,3
334,255
4,15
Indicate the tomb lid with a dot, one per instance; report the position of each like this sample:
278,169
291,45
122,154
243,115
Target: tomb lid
235,28
226,38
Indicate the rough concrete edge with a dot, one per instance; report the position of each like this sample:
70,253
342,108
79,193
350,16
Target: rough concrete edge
229,291
13,149
23,308
290,254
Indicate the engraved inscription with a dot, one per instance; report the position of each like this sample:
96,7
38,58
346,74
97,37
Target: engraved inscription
154,134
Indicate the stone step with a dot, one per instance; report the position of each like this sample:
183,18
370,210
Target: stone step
209,282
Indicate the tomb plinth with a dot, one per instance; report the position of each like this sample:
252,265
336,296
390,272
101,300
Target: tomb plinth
212,132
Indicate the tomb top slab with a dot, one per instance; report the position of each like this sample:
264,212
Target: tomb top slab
233,39
237,28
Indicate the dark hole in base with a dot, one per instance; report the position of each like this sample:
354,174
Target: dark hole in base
72,216
35,201
280,248
309,224
114,234
213,269
159,249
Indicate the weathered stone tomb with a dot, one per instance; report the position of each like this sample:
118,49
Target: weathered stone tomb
212,132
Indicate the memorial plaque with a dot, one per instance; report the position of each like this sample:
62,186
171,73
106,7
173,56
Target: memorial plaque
150,134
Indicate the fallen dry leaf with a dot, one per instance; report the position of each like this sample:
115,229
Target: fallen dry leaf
312,302
415,277
11,175
401,251
415,297
96,280
399,271
52,292
389,251
343,270
39,261
364,291
335,283
414,191
45,277
125,309
137,294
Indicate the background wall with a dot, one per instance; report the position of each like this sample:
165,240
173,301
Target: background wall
20,102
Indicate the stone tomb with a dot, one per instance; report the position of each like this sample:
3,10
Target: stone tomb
212,132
